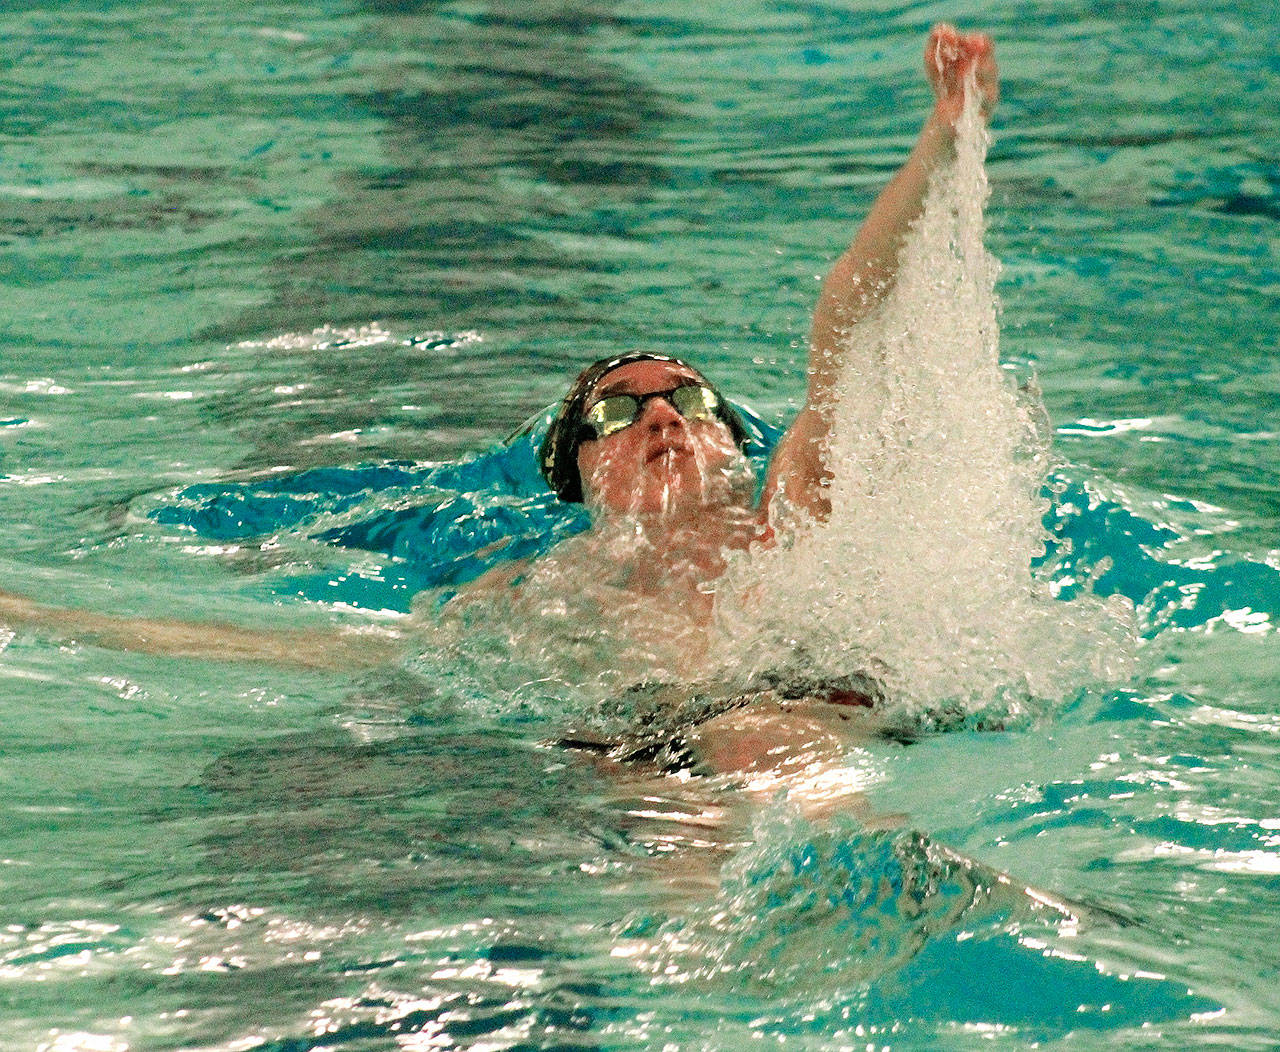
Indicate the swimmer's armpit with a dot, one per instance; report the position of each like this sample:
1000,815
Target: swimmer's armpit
302,648
493,582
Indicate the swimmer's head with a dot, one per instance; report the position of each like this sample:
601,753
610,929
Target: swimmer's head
636,415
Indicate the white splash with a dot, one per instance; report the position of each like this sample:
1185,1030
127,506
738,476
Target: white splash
922,575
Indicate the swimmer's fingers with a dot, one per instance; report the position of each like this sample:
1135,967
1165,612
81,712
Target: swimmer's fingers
949,56
986,73
941,51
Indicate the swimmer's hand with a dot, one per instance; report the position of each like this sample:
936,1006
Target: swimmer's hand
949,55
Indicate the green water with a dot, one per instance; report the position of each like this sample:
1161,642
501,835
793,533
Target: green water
218,856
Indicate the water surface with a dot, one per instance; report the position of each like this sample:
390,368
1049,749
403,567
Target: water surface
321,235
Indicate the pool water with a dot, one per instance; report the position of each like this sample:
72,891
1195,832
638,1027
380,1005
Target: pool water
277,278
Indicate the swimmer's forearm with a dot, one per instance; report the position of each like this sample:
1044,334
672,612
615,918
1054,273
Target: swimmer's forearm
300,648
865,272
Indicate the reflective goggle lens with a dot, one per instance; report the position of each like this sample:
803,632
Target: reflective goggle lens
695,402
610,415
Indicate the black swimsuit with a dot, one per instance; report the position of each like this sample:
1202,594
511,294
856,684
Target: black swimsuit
664,714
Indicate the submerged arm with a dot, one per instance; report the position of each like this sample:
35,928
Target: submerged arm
866,271
303,648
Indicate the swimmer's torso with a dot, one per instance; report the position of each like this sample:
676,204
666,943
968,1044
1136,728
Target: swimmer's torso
632,603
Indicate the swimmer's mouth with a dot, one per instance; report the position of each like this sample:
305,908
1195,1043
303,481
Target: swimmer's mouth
663,451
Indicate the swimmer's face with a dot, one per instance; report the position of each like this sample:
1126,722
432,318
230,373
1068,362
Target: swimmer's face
663,462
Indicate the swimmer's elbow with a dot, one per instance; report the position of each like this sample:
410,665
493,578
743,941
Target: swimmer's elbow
346,649
491,583
360,648
799,470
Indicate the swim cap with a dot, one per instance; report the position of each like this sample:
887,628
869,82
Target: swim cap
558,456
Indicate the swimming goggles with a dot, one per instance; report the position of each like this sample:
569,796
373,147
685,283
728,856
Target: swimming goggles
693,401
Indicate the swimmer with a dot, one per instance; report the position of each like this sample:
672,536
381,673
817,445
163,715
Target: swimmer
645,440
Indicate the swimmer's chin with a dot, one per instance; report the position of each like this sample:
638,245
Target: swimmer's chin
673,508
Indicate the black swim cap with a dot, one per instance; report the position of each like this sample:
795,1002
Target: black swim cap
558,456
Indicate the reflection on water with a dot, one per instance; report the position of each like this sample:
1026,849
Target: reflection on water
388,825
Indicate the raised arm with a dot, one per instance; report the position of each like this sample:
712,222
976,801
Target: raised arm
302,648
864,274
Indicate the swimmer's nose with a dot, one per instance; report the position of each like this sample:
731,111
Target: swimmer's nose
659,414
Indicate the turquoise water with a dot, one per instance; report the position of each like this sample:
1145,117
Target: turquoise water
360,240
